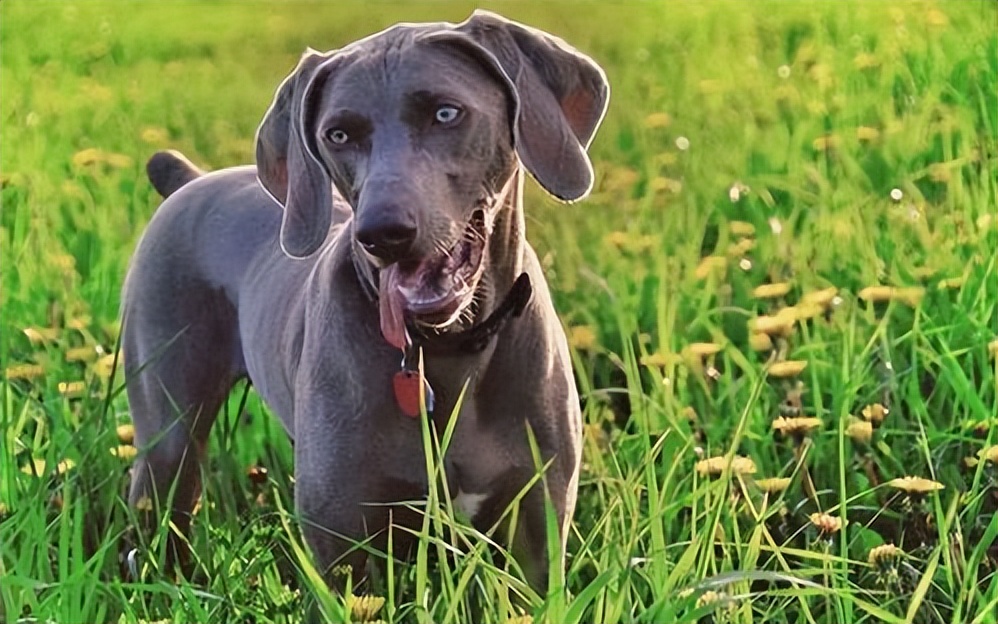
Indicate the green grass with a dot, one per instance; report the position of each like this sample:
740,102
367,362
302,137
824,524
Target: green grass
816,111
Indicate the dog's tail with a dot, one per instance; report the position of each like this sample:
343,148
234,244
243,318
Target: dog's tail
169,170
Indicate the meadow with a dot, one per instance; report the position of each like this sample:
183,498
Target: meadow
782,300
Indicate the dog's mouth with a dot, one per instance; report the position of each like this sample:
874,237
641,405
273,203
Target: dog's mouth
435,290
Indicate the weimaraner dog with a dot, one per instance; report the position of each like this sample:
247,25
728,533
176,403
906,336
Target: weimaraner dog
381,227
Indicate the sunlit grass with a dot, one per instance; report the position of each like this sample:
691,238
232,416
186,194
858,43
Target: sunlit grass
782,301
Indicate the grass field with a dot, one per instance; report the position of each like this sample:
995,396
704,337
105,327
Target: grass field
844,150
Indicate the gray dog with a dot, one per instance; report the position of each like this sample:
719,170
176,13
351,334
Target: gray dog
381,228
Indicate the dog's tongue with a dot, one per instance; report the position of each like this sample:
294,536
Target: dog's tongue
390,304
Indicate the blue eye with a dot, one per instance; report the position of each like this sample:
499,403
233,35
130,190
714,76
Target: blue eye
337,136
447,114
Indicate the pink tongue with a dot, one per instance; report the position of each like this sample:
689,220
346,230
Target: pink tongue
392,320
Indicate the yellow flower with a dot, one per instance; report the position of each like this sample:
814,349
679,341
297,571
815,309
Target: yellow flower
826,523
778,325
759,341
663,183
883,554
953,282
81,354
875,413
155,136
915,485
936,18
860,431
771,291
24,371
658,120
878,294
796,426
989,454
716,465
866,133
364,608
126,452
709,266
617,239
520,619
829,141
582,337
773,485
39,335
72,389
741,248
144,504
709,598
789,368
702,349
824,297
37,467
656,359
126,433
741,228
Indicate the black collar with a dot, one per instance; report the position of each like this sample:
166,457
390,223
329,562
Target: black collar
469,341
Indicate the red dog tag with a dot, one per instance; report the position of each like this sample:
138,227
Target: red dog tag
406,386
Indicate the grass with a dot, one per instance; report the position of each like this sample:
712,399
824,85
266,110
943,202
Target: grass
822,145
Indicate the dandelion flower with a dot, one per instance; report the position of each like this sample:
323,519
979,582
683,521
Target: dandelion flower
709,266
773,485
657,359
702,349
875,413
39,335
884,554
759,341
789,368
658,120
797,427
617,239
144,504
155,136
81,354
867,134
826,523
741,228
823,297
710,597
364,608
72,389
827,142
915,485
771,291
716,465
24,371
773,325
989,454
126,452
582,337
860,431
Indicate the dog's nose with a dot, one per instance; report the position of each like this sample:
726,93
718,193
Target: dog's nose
388,234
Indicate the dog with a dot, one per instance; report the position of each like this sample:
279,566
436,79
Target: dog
370,269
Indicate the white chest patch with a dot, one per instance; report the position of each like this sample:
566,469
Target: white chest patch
469,503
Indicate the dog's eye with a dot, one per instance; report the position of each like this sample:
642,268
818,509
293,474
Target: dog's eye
337,136
447,114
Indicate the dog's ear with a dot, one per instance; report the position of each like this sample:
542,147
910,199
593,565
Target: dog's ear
559,95
287,163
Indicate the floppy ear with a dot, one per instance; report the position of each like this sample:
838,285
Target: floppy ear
559,94
286,162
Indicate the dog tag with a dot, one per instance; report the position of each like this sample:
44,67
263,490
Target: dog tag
406,386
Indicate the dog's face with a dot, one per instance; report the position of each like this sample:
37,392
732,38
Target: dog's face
421,127
419,141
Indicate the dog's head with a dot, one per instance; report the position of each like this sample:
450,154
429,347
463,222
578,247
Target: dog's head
421,127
